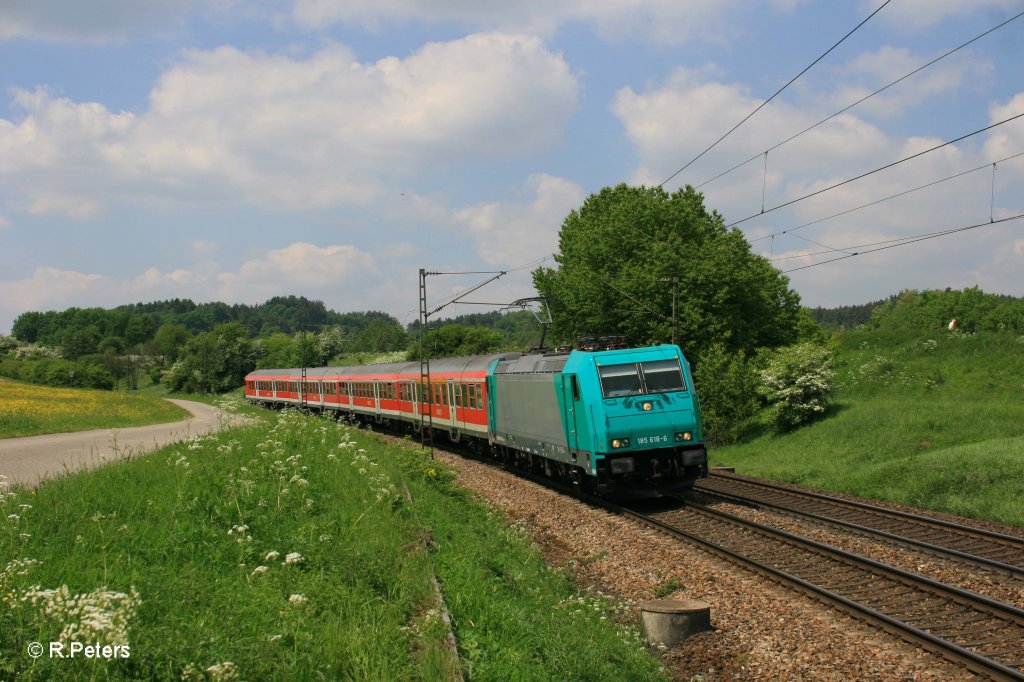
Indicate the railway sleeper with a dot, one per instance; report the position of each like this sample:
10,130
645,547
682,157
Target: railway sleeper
953,626
854,584
974,644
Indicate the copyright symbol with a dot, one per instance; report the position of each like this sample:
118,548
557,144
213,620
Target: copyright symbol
35,649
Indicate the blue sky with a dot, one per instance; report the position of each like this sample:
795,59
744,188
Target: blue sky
234,151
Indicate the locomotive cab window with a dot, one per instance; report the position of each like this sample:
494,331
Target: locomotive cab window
662,376
619,380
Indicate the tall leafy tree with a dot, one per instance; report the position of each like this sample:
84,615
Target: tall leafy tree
619,252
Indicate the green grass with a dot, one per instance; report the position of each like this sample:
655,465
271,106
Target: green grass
169,526
29,410
935,421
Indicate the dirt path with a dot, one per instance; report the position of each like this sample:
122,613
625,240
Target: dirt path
32,458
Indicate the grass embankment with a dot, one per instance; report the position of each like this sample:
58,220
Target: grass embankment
30,410
931,420
289,551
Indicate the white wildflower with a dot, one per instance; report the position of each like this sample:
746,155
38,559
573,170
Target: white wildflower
297,599
100,615
272,556
223,672
294,558
260,569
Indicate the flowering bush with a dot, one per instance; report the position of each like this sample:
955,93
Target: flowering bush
798,383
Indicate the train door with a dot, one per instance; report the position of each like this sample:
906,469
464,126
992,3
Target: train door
376,398
453,405
571,406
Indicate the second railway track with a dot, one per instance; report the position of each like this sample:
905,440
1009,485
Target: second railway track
985,635
975,545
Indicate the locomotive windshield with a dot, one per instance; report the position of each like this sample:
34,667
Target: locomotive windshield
656,376
619,380
662,376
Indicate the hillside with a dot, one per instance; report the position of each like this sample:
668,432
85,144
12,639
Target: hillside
925,417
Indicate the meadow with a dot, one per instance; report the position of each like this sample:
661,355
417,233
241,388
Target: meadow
931,419
30,410
300,548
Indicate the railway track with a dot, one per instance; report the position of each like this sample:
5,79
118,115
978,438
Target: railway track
984,635
965,543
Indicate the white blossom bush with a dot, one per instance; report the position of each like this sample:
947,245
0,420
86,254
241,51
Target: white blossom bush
100,615
798,383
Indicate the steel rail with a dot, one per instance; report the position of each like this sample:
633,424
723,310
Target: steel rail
975,661
987,609
904,527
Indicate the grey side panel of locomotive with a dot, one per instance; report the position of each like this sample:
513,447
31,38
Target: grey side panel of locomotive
528,415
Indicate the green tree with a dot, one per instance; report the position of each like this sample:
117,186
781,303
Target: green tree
171,339
279,351
214,361
112,345
455,339
728,386
80,341
619,252
29,327
382,335
140,328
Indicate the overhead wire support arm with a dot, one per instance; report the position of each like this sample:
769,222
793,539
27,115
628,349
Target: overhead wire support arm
425,390
468,291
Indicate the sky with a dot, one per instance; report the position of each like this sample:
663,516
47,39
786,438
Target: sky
223,150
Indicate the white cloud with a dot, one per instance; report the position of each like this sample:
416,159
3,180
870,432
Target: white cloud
704,107
338,273
663,21
95,21
916,15
273,130
47,289
511,234
298,266
869,71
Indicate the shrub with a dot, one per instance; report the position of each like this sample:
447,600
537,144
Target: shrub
798,383
727,384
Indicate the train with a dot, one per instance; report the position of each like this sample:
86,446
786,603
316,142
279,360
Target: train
623,422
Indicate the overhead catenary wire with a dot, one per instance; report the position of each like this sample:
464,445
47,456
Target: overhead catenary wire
790,230
911,240
775,94
877,170
861,100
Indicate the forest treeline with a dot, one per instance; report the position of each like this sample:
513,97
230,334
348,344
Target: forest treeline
211,346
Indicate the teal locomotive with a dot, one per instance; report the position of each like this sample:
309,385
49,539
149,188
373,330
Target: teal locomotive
622,423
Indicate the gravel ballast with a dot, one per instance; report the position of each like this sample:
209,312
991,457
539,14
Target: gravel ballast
762,630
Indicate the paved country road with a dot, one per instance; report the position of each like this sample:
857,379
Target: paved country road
30,459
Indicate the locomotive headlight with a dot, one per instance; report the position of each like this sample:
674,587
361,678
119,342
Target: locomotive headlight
620,443
647,407
683,436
